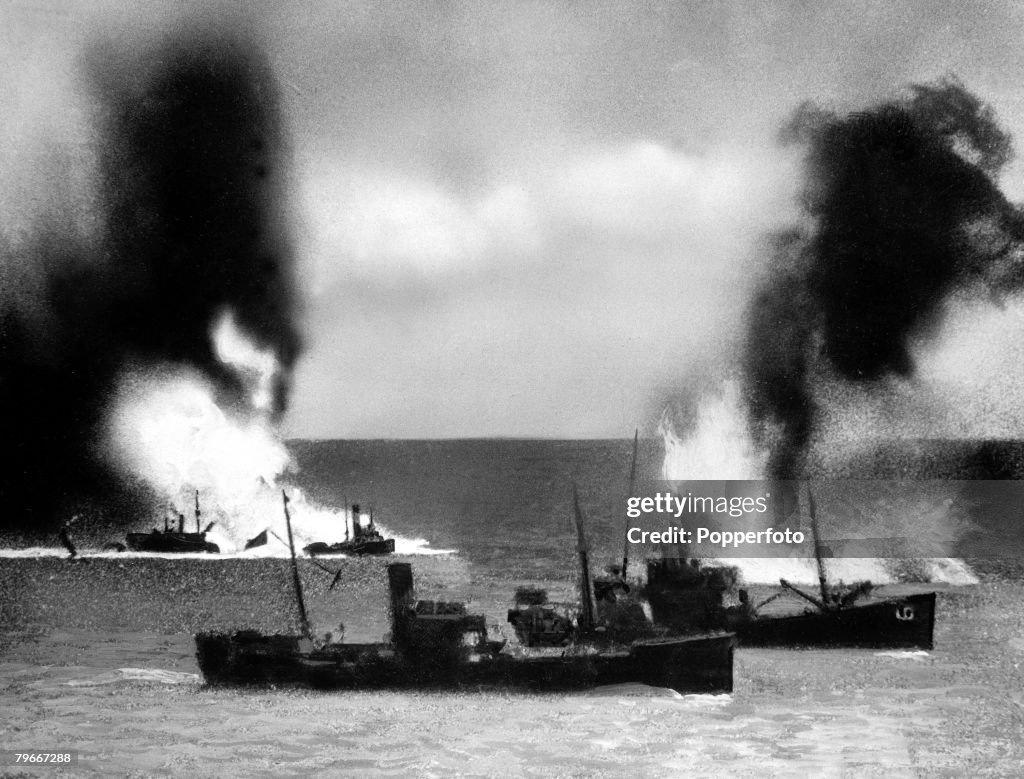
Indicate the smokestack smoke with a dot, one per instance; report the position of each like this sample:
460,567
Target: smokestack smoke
191,183
905,209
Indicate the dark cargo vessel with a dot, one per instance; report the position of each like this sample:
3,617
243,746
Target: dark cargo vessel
439,645
685,596
688,595
894,623
171,540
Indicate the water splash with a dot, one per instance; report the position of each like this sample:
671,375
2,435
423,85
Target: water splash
719,447
168,429
172,428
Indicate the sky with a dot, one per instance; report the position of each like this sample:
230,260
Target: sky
532,219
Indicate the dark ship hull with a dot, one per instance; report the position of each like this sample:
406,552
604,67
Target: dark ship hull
699,664
897,623
682,591
170,541
688,599
440,645
363,547
365,540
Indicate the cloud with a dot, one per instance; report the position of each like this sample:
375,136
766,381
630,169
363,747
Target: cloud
384,226
647,188
614,267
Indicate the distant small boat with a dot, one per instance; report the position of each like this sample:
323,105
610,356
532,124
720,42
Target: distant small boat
365,540
170,540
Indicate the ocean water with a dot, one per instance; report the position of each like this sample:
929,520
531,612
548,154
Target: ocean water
505,505
96,654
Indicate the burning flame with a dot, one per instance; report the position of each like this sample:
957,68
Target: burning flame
168,428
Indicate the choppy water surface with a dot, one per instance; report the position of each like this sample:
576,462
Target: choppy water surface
96,655
119,683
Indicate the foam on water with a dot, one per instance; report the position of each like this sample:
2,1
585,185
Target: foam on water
803,570
416,546
34,551
720,447
154,675
633,690
86,554
754,570
810,713
403,546
904,654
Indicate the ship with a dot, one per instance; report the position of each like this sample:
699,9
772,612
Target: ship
689,595
619,602
606,612
438,644
365,540
169,539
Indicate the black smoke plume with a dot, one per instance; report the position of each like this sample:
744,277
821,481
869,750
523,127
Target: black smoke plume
903,209
190,221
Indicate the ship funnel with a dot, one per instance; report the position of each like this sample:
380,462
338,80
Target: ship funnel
401,587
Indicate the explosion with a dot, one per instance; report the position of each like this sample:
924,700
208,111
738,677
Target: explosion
168,429
902,215
929,515
146,362
718,446
902,211
188,234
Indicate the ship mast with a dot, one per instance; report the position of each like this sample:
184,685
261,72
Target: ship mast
822,584
303,619
586,620
197,511
344,499
629,494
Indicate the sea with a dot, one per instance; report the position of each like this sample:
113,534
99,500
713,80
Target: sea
97,655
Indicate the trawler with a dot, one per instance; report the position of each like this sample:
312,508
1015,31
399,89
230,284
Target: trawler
365,540
170,539
687,594
436,644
